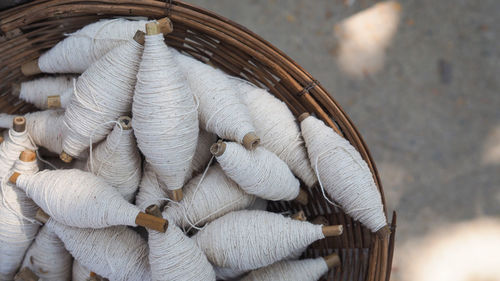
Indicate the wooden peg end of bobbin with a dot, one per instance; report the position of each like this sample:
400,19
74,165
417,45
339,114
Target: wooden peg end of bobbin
152,28
151,222
218,148
333,230
303,116
332,260
251,141
19,124
1,139
139,37
299,216
27,156
154,210
176,194
13,177
125,122
16,89
65,157
41,216
165,25
25,274
302,198
31,68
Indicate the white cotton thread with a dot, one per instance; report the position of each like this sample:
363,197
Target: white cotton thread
221,111
343,174
117,161
79,272
82,48
165,118
202,154
277,128
207,198
227,273
258,204
78,198
11,148
150,189
38,90
247,240
116,253
17,228
48,258
174,256
259,172
298,270
102,93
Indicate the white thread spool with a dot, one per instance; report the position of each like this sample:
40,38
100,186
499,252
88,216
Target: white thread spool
89,112
87,45
151,190
174,256
80,199
48,258
202,154
248,240
278,130
11,147
168,137
258,172
117,252
298,270
16,232
117,161
220,111
343,173
203,202
79,272
38,91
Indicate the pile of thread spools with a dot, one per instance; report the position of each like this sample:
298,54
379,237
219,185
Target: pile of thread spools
151,137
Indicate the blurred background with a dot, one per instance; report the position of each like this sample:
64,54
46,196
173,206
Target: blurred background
420,80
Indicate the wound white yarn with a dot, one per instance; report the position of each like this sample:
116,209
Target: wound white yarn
85,46
36,91
48,258
278,130
227,273
174,256
299,270
78,198
258,204
118,162
17,225
248,240
213,197
259,172
151,190
343,173
11,148
202,154
117,253
102,93
79,272
165,118
221,111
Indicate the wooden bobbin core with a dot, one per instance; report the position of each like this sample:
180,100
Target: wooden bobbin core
165,25
54,101
154,210
1,139
19,124
139,37
65,157
125,122
218,148
333,230
303,116
25,274
299,216
13,178
27,156
320,220
332,260
176,194
16,89
41,216
302,198
31,68
251,141
151,222
152,28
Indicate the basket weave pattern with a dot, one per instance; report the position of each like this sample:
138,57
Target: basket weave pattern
28,30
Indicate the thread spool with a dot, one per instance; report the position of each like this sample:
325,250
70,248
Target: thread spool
116,159
97,205
167,139
31,68
240,239
277,128
150,191
19,124
203,202
25,274
89,113
46,92
220,110
272,181
79,272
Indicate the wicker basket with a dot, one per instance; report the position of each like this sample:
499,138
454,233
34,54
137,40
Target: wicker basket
28,30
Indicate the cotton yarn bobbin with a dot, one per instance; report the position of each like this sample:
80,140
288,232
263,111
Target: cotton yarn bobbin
169,137
298,270
202,154
248,240
117,160
17,225
174,256
151,190
80,199
220,111
213,197
38,91
258,172
82,48
277,128
87,117
48,258
17,141
79,272
117,252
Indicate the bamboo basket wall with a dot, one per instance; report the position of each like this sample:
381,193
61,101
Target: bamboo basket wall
30,29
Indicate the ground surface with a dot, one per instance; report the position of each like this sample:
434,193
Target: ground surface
430,115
